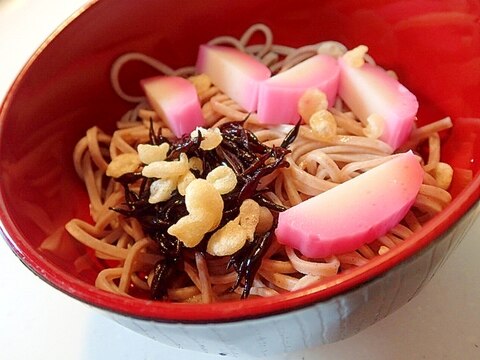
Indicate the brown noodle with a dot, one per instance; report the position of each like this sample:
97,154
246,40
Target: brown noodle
316,165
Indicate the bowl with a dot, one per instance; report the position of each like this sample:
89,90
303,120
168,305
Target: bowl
64,89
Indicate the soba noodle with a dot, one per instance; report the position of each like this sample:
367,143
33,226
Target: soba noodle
316,165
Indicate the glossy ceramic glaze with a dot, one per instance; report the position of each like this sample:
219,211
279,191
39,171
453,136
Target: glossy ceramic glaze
433,46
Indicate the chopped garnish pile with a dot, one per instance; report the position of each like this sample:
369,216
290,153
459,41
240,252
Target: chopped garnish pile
225,164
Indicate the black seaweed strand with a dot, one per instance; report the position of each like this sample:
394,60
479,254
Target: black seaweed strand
247,260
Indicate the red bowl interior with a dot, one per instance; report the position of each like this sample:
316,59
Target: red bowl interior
64,89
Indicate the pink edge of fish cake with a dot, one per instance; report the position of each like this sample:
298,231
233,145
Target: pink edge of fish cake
175,100
353,213
278,96
369,89
235,73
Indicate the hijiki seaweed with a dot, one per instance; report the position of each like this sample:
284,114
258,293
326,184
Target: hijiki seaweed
249,159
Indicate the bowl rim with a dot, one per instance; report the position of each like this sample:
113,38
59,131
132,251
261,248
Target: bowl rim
217,312
240,309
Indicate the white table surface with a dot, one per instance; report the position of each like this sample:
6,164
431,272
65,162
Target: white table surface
38,322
